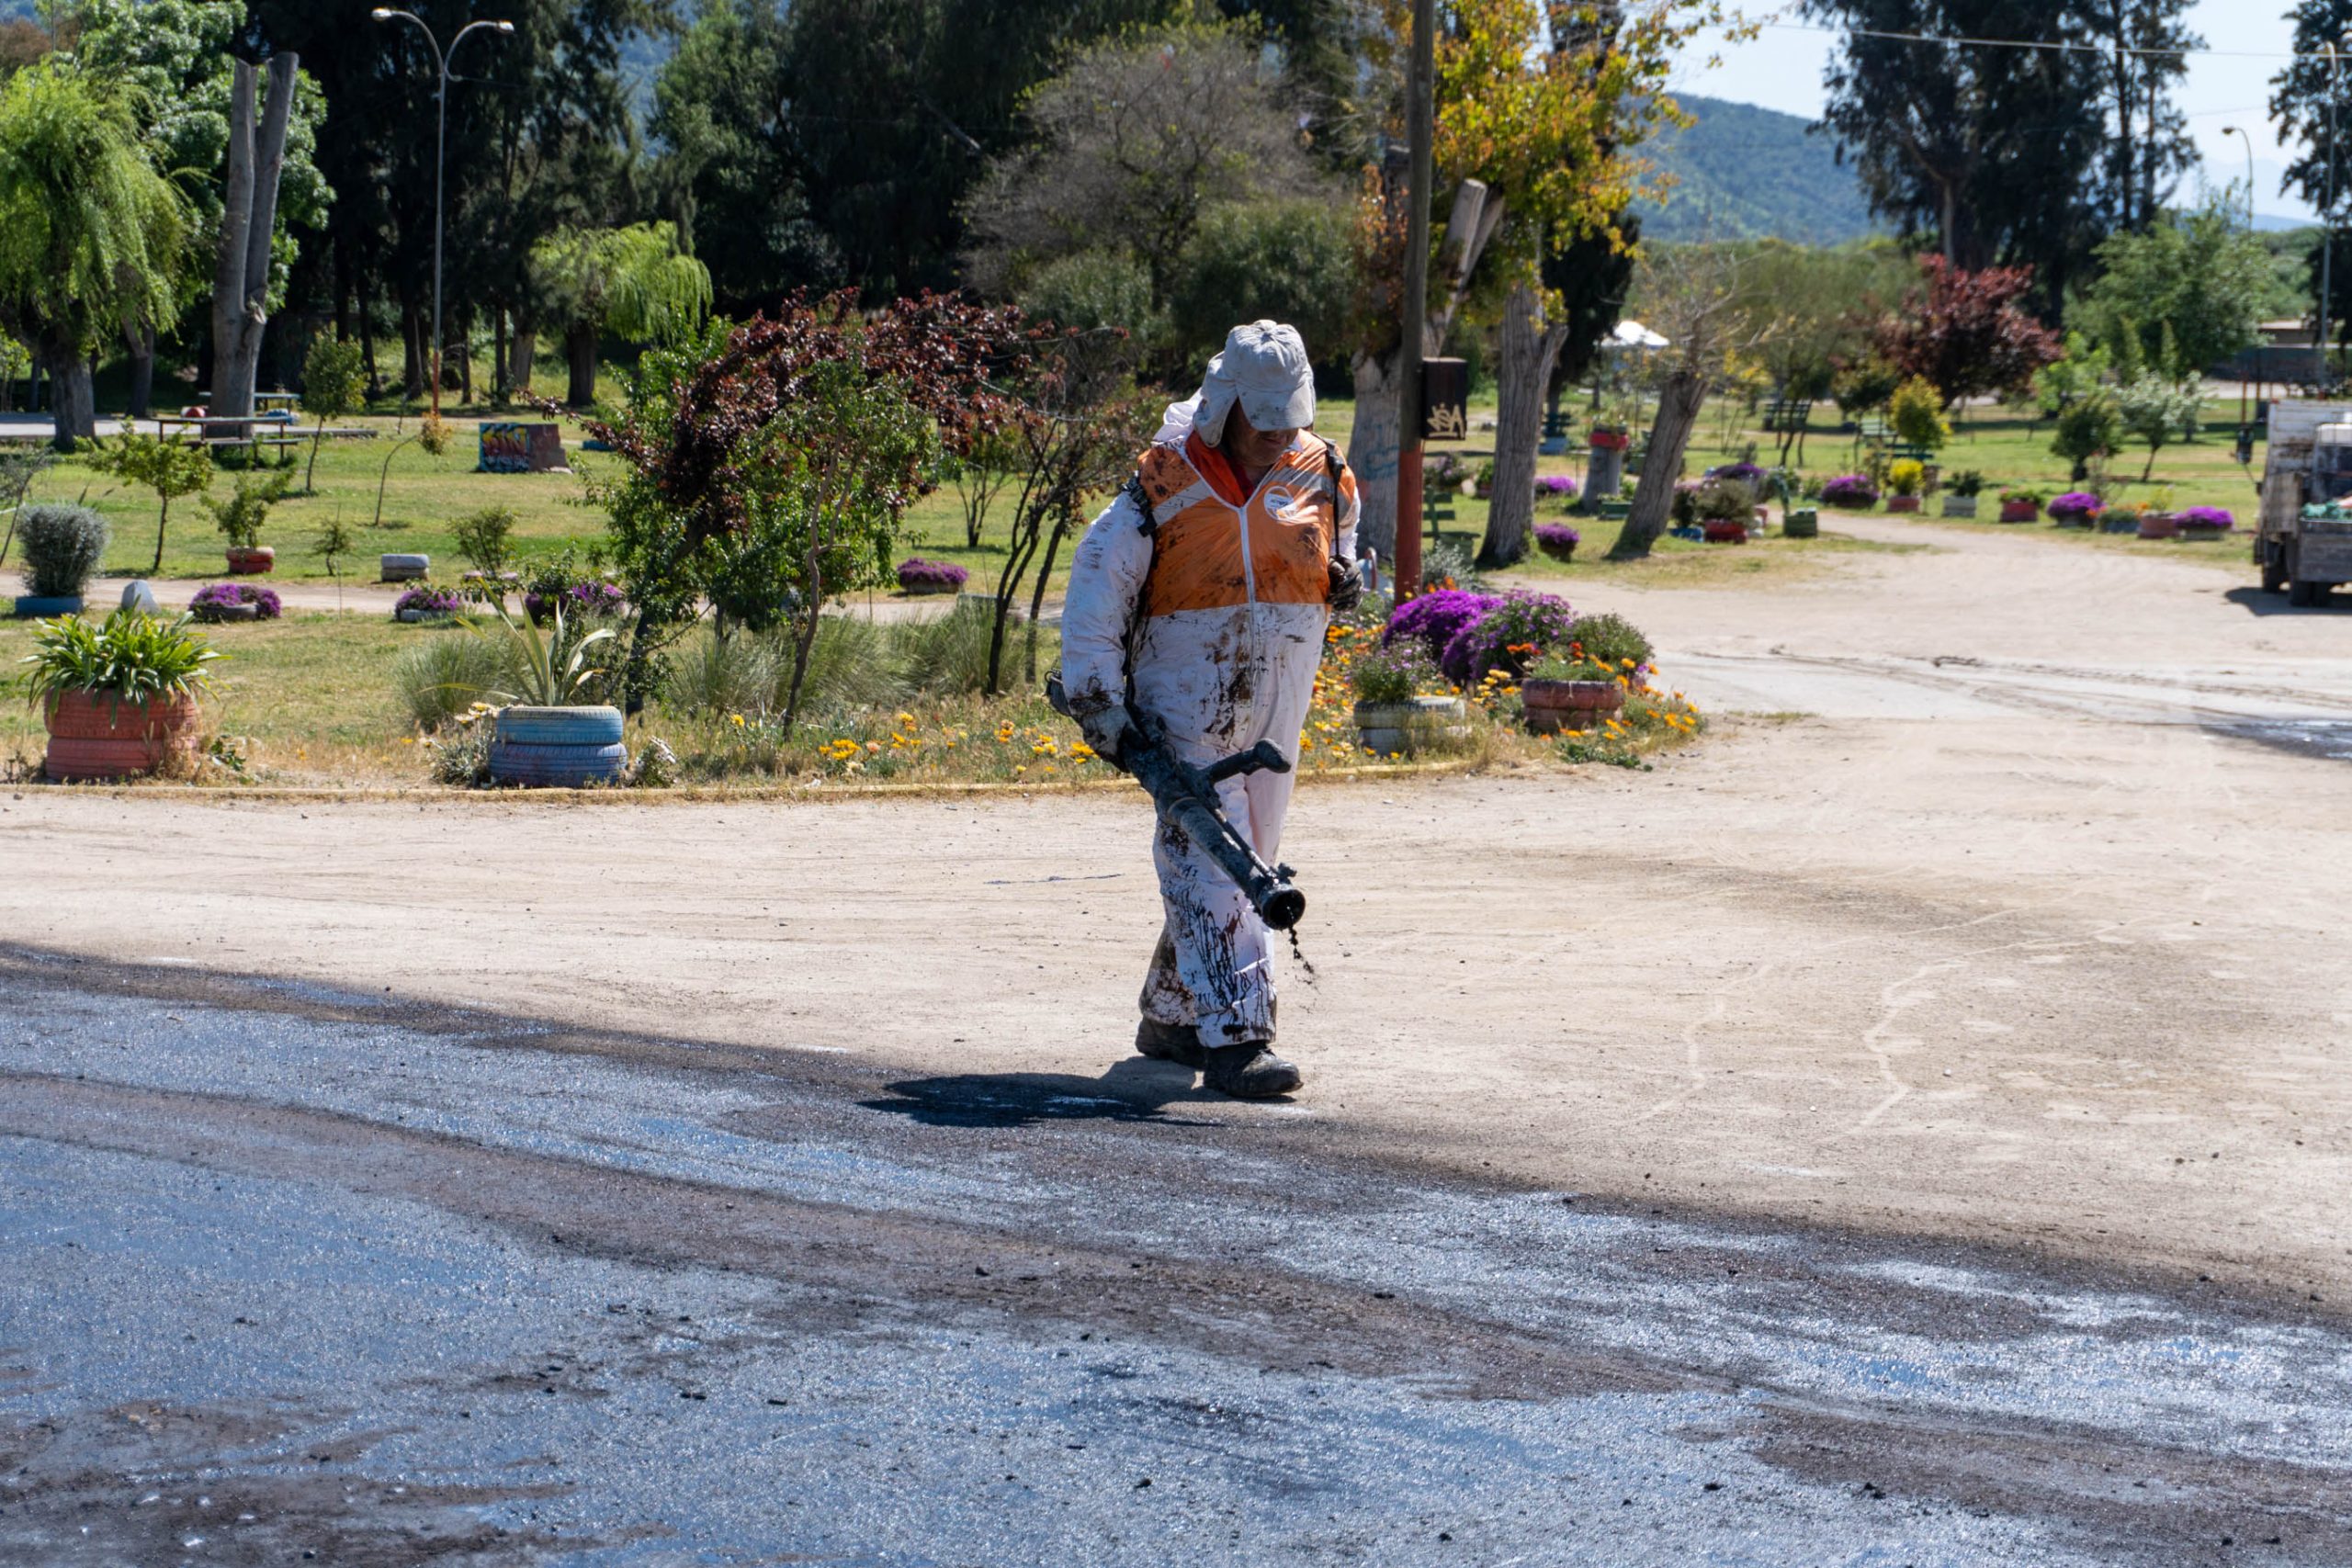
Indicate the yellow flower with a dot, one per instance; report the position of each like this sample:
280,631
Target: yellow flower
906,718
738,720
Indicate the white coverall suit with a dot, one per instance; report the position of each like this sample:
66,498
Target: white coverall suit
1233,595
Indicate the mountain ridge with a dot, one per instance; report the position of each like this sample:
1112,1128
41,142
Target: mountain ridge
1744,172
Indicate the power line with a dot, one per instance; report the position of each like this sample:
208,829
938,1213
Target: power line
2056,46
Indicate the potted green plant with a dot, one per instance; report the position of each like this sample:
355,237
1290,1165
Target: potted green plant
1391,718
1578,690
1961,492
545,735
2156,514
62,546
117,697
239,519
1905,477
2021,504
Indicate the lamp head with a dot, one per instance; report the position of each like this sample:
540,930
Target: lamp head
504,27
382,12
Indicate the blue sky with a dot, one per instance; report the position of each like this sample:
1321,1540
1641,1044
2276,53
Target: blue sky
1782,68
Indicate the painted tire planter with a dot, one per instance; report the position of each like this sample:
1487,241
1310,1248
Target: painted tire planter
235,612
92,735
1556,706
2019,511
43,606
1725,532
1804,523
255,562
2159,526
1557,552
564,748
1403,728
1904,503
1959,506
402,568
2203,531
2112,522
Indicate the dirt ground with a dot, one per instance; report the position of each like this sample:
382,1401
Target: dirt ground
2017,912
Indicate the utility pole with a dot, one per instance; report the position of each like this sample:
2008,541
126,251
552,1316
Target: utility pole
2327,232
1420,129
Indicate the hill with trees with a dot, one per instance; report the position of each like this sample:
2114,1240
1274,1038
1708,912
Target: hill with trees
1743,173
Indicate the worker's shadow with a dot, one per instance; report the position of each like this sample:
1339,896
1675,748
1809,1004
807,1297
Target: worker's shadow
1138,1089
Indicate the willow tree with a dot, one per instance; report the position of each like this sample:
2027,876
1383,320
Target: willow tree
637,283
91,234
1538,109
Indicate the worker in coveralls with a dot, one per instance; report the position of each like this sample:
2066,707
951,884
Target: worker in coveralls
1205,590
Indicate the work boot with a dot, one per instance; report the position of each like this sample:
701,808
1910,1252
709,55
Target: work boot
1249,1071
1177,1042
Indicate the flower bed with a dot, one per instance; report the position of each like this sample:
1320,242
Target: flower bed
2076,509
580,599
917,575
229,601
421,602
1434,619
1517,628
1745,473
1852,492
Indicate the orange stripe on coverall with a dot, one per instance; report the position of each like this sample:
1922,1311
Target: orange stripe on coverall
1197,557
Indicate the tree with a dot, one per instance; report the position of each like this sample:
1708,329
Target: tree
2299,105
1691,294
1533,115
1133,141
2144,55
241,276
1285,261
170,469
1965,334
729,160
1810,310
1989,152
637,283
2088,430
1917,415
172,59
2199,273
334,379
90,234
1097,288
893,113
750,477
1076,432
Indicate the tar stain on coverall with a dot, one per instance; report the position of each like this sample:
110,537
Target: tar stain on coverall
1233,600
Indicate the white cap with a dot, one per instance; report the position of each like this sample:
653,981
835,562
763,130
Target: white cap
1264,369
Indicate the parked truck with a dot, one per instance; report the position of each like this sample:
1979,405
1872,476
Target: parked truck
2303,545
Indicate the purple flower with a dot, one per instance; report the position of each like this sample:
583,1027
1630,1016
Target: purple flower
1434,619
211,601
2077,503
1850,489
938,575
430,602
595,599
1557,485
1513,632
1746,473
2201,517
1557,537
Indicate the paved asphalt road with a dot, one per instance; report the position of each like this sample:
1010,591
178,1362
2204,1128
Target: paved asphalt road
296,1276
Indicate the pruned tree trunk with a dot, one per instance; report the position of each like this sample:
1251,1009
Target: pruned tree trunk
580,351
140,338
73,402
1678,412
248,223
1530,349
521,349
1372,452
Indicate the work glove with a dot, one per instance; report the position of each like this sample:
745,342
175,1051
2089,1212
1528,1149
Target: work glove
1346,586
1104,730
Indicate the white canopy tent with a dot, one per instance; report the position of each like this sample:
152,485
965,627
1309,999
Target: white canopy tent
1633,334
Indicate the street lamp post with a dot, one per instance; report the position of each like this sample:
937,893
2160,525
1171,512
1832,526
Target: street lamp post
2243,428
2327,224
440,149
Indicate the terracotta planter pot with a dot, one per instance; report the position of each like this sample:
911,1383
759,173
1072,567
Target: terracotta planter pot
2159,526
92,735
1552,706
2019,511
1902,503
252,563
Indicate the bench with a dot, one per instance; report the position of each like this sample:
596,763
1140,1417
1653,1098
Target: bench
1784,415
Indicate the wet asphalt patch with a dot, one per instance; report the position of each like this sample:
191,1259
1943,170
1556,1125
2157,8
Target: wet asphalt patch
337,1278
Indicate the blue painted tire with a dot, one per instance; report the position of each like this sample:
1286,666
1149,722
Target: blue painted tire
40,607
558,767
559,727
